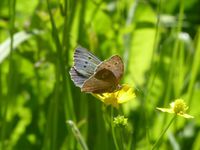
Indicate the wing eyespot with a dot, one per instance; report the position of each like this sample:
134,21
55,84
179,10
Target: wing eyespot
86,62
89,58
84,66
103,76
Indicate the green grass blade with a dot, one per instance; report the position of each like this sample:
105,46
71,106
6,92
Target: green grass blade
195,69
18,38
77,134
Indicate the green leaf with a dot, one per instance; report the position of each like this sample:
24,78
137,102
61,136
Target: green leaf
18,38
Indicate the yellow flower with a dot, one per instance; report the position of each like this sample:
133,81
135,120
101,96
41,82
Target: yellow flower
123,95
178,107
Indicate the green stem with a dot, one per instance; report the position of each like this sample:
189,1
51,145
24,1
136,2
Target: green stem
113,129
174,55
155,146
129,143
175,51
152,75
3,134
77,134
61,65
121,137
194,69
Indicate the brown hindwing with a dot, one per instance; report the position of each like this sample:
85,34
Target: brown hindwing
102,81
114,64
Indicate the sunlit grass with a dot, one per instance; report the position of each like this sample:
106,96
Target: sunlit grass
159,42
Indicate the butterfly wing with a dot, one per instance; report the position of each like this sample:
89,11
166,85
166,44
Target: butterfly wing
102,81
115,65
77,78
92,75
85,62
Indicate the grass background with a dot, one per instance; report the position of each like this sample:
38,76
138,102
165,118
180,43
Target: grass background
159,41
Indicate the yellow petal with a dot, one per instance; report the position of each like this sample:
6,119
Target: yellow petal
168,110
99,96
125,94
185,116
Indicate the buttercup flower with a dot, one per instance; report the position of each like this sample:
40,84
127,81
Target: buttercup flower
123,95
120,121
178,107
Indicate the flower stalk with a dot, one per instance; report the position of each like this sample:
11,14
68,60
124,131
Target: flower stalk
178,108
155,146
113,130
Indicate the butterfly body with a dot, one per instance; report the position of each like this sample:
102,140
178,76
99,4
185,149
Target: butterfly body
95,76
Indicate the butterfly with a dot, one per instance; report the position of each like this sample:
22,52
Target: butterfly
93,75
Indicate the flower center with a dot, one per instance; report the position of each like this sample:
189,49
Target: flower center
179,106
